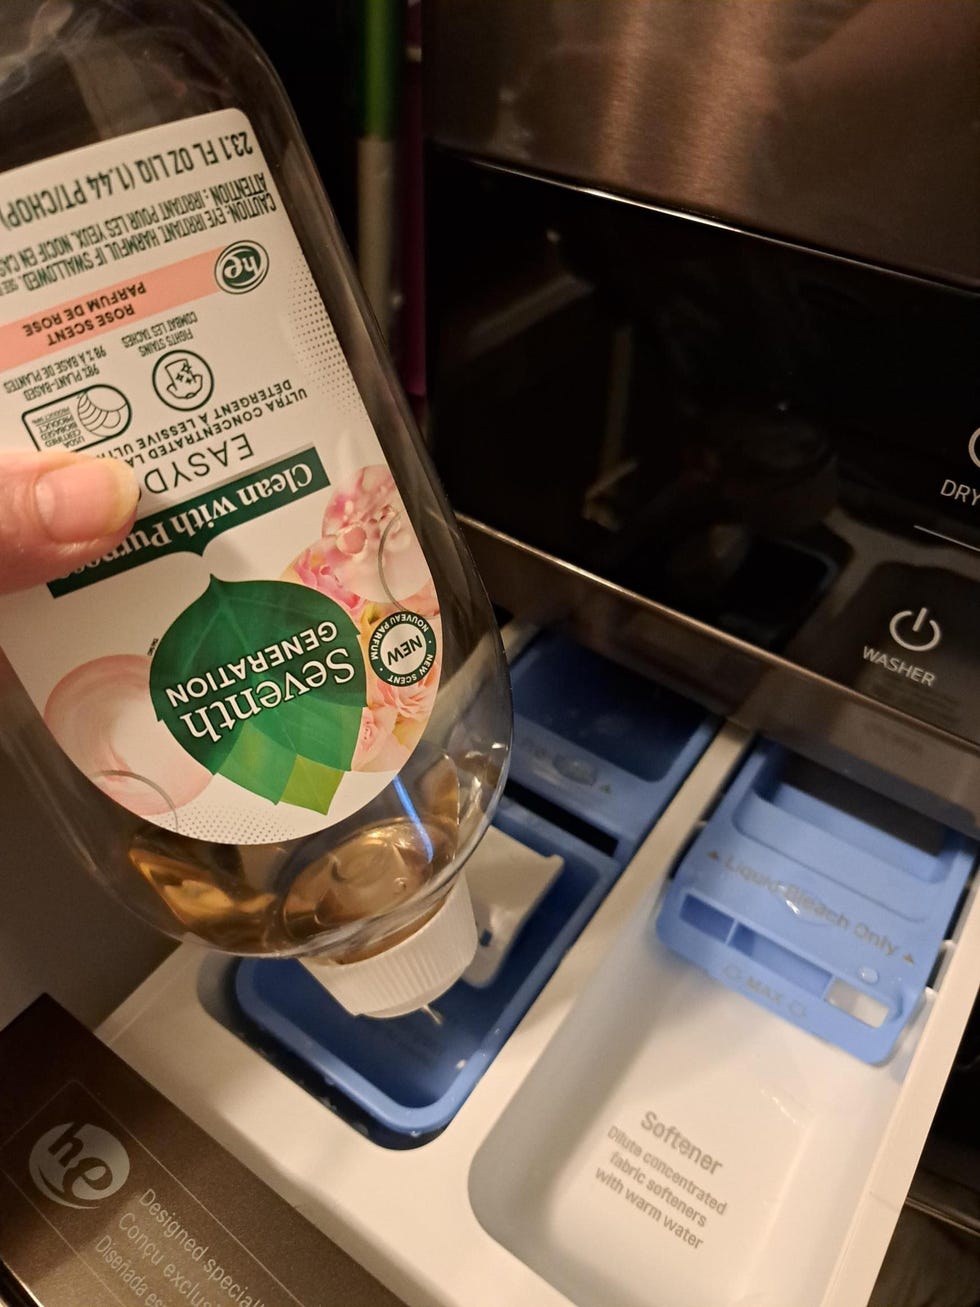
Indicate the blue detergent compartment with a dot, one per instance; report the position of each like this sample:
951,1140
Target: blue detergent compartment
605,745
598,754
818,898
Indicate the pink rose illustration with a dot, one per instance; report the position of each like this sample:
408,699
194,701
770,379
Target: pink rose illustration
370,563
313,569
425,602
102,716
411,702
368,541
377,748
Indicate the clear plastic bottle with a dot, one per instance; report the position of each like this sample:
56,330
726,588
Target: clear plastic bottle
277,717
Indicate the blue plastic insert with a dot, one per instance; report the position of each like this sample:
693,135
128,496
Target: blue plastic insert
819,899
598,754
604,744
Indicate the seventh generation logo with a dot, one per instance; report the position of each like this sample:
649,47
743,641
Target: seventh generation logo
78,1165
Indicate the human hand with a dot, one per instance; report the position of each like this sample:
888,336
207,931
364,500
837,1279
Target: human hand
58,511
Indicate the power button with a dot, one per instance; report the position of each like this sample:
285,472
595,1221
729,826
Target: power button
915,630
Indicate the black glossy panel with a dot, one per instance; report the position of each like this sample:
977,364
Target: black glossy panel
753,434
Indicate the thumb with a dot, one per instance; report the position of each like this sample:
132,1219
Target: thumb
58,511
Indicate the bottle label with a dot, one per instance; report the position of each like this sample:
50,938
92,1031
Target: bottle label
259,657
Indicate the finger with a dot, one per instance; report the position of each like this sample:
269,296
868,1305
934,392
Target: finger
58,511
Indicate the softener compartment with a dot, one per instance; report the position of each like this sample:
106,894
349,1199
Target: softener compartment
712,1119
598,754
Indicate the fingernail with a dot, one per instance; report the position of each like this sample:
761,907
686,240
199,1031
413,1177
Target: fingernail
86,500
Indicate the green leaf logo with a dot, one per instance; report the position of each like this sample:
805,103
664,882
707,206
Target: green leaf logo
264,683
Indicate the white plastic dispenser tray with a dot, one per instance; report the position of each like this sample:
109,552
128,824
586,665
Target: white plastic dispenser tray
815,1148
598,754
679,1146
819,899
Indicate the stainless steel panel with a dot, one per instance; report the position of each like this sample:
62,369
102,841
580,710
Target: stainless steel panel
849,124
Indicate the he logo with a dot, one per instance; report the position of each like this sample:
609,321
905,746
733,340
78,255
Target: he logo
78,1165
241,267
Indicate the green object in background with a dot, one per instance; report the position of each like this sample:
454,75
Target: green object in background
383,26
383,39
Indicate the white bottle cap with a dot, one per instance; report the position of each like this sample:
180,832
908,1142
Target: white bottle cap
411,973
